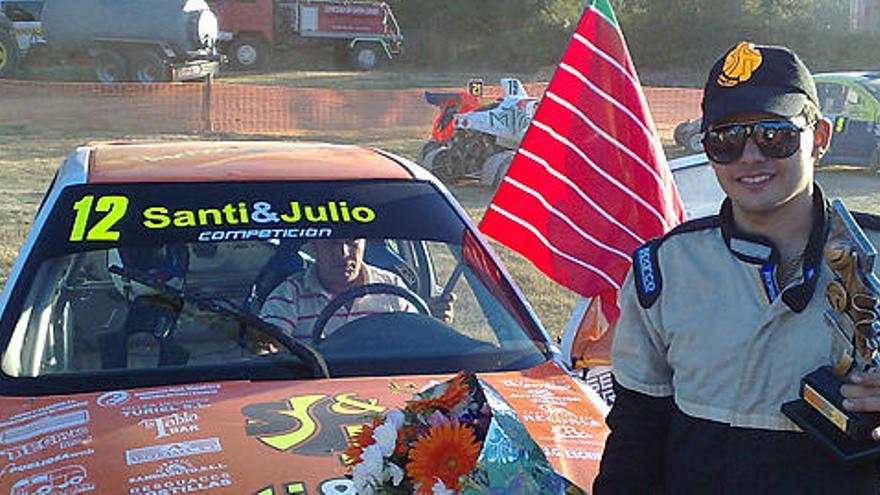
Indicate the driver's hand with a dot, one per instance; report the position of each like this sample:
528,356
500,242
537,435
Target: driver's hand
443,307
263,345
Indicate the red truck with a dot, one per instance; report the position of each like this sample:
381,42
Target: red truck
365,31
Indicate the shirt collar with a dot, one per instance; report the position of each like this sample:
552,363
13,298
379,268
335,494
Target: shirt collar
759,250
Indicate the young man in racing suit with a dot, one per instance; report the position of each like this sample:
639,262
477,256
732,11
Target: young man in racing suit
723,316
339,266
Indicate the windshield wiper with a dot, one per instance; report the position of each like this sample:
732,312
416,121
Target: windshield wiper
303,351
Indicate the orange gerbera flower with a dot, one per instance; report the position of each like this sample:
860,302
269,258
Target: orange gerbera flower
448,452
455,392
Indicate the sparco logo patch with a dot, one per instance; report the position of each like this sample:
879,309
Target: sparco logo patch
646,270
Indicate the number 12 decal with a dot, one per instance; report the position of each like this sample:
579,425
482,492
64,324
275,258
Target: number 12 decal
114,208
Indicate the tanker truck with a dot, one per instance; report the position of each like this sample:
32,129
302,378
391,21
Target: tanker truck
135,40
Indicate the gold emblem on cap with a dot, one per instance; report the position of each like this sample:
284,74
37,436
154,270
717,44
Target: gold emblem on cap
739,64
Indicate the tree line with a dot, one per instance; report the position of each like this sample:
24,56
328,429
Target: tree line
523,35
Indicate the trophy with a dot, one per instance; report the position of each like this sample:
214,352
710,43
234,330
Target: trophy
851,299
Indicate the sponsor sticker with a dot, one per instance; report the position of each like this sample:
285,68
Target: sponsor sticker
177,468
63,439
49,461
113,399
43,411
173,424
174,450
66,480
44,426
97,218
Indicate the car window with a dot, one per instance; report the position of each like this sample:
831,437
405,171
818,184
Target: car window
853,99
130,278
832,97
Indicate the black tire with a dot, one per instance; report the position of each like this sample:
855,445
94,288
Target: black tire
367,56
247,52
110,66
429,147
8,54
147,67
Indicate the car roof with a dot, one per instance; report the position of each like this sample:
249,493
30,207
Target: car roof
214,161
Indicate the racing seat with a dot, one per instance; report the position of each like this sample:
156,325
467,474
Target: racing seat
148,316
150,313
285,262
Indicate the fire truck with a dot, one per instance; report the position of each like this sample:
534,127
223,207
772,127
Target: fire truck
366,32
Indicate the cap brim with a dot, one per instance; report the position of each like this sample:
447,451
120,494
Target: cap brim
776,101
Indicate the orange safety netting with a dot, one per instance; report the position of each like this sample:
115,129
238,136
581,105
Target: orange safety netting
249,109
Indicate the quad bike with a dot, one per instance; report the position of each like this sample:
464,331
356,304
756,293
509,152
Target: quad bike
449,104
483,140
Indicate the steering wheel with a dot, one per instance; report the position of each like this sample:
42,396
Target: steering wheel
350,295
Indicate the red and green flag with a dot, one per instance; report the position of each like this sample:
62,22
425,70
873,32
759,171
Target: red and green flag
589,182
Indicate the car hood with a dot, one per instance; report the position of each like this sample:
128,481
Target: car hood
259,438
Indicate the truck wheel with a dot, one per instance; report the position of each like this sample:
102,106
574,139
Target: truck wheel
248,52
366,56
110,66
8,54
148,67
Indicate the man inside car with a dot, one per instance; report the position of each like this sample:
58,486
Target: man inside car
296,303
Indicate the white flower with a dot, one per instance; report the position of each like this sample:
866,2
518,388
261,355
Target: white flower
395,417
371,459
368,473
394,473
362,479
440,489
385,436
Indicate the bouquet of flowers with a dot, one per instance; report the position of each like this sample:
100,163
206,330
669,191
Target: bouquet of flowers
454,438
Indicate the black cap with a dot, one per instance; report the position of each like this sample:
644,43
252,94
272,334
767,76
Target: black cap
756,78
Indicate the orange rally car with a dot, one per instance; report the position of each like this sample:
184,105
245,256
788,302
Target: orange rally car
129,320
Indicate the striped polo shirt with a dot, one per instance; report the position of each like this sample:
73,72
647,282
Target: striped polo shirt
295,303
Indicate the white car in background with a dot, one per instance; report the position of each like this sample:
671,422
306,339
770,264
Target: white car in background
695,180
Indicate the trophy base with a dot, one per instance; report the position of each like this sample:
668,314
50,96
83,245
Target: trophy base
844,448
820,414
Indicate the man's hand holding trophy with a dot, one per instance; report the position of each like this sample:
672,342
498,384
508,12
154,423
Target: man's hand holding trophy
851,297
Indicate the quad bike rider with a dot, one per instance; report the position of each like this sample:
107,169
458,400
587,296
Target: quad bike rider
482,142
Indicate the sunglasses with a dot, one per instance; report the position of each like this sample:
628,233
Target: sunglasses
775,139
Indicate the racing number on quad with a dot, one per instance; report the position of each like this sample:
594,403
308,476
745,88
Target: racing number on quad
512,88
475,87
114,208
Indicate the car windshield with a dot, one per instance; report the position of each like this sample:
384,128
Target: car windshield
141,279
